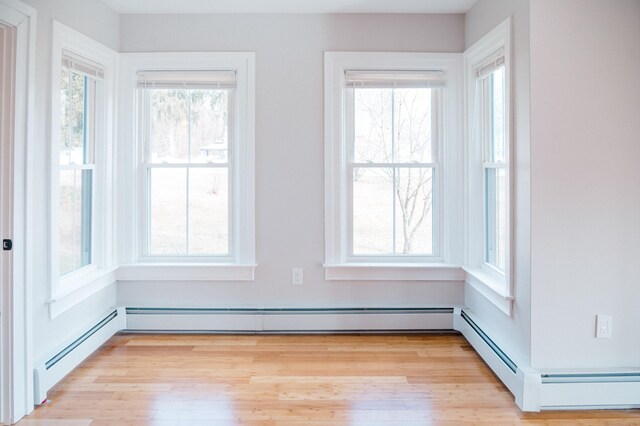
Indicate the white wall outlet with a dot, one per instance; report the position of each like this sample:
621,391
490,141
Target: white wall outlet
603,326
296,276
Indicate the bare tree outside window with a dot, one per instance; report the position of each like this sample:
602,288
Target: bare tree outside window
393,171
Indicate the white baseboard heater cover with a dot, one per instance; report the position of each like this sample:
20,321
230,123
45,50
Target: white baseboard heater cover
276,320
535,391
590,390
501,364
51,371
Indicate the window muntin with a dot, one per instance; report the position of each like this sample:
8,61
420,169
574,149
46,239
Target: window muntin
393,166
188,143
492,91
79,98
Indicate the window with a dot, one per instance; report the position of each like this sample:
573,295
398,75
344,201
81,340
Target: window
191,119
80,96
487,65
390,164
187,146
81,153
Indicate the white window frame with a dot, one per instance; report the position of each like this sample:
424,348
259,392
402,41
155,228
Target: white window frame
135,264
493,284
339,265
72,288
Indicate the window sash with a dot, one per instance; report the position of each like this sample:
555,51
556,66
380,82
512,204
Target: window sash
148,248
85,183
91,93
436,116
492,228
85,217
396,253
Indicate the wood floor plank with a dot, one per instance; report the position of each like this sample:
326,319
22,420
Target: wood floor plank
292,381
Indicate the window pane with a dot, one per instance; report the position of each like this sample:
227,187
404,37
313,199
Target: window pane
74,103
498,125
169,125
496,217
66,220
208,211
85,215
414,211
372,125
75,215
209,124
412,125
168,211
373,201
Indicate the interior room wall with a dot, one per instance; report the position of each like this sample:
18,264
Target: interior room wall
289,149
585,195
512,333
97,21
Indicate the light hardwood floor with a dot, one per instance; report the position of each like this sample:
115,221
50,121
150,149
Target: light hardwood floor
315,380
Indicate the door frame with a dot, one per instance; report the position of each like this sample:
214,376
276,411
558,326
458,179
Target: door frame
18,24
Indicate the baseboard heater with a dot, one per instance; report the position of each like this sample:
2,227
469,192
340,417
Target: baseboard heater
489,342
536,391
590,390
54,368
289,320
514,378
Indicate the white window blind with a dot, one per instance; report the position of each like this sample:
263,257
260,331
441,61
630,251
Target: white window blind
490,64
191,79
395,79
82,66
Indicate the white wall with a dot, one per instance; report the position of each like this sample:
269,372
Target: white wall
585,195
289,149
95,20
512,333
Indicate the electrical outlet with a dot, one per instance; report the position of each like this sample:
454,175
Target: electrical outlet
603,326
296,276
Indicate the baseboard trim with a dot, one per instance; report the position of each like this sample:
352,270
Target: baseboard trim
533,390
290,321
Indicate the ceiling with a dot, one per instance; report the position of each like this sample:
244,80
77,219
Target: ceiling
290,6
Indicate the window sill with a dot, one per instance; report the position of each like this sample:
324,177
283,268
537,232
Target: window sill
392,272
185,272
79,287
492,289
